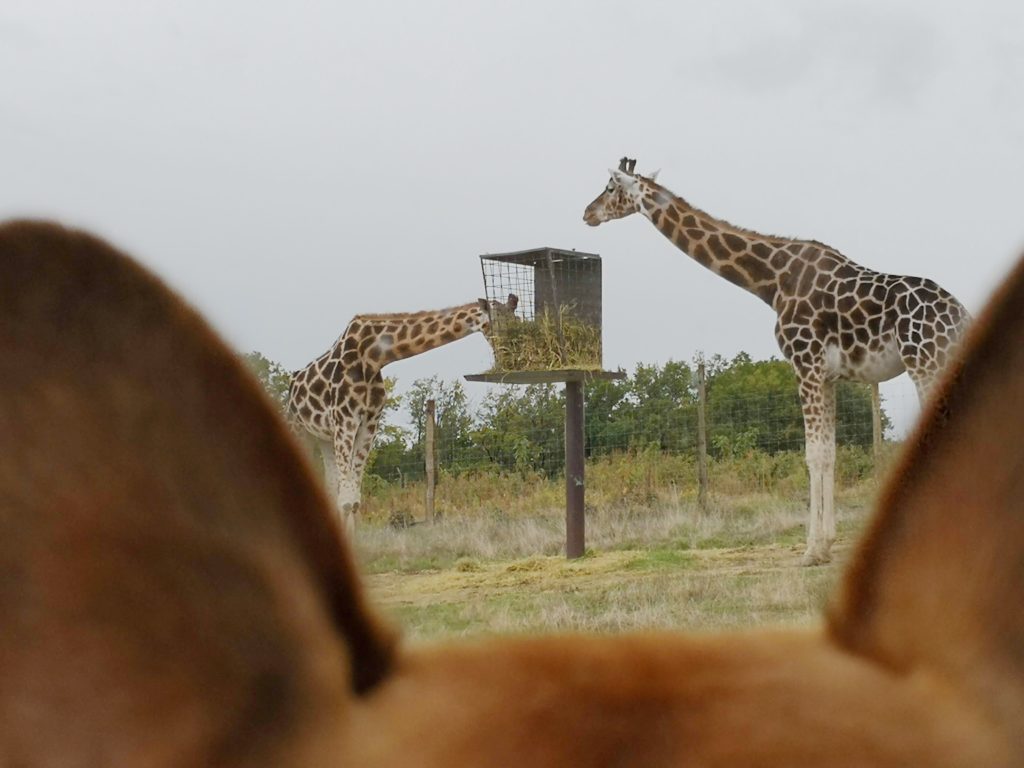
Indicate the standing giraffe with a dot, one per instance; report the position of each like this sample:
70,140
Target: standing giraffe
338,398
835,319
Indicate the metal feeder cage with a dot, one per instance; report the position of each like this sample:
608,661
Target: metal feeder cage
556,321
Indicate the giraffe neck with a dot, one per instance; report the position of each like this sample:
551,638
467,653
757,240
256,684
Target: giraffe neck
384,339
740,256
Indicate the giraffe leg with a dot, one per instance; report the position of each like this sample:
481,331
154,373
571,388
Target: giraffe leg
330,467
347,487
361,448
818,399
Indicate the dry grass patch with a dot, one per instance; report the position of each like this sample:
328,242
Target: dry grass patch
664,568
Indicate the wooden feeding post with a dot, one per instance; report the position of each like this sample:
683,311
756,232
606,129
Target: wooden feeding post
552,335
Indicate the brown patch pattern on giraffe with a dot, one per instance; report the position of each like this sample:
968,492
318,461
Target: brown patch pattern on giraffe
834,318
338,398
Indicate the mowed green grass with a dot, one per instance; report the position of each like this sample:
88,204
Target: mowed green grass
660,567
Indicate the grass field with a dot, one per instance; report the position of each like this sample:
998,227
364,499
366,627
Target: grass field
656,565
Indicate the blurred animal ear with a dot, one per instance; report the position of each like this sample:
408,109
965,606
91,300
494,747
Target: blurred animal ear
513,301
939,578
484,305
654,175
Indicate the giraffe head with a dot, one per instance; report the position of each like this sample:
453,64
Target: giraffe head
620,197
495,313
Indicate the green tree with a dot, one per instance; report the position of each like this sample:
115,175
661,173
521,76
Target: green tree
453,436
756,404
522,428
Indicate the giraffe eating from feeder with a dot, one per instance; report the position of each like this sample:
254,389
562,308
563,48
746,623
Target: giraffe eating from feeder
338,398
835,318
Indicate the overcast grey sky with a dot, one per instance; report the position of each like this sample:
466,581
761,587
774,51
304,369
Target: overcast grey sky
287,165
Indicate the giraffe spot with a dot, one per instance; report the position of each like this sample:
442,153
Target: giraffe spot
432,327
356,373
845,272
733,275
403,349
672,214
656,217
734,242
377,395
317,387
718,249
305,412
374,353
689,220
826,324
862,333
701,255
790,278
871,307
755,267
695,234
878,293
448,336
795,248
806,282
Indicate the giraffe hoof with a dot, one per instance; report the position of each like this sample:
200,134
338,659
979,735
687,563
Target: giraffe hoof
811,558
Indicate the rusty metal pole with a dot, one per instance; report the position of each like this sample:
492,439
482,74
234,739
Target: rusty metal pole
574,486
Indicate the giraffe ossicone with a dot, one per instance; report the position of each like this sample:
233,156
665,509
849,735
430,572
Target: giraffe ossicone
338,398
835,319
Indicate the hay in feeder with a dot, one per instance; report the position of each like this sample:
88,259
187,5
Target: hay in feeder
535,345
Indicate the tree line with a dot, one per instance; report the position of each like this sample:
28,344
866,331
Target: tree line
752,405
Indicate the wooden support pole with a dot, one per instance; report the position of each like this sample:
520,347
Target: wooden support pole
575,523
430,460
702,441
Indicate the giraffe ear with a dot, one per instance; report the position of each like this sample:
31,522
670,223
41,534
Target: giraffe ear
654,175
512,302
484,305
624,180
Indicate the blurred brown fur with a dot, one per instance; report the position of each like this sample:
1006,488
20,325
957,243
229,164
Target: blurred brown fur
174,589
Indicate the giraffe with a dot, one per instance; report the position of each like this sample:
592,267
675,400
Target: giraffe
338,398
835,318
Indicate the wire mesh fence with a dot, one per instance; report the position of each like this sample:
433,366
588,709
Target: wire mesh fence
752,407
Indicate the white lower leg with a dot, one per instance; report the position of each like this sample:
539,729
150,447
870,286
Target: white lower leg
819,511
828,501
348,503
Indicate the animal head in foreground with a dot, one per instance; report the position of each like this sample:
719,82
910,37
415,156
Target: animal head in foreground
175,590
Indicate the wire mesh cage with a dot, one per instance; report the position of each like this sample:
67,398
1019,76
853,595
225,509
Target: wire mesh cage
552,303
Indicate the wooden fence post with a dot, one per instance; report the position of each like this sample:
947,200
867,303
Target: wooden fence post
876,427
702,441
430,460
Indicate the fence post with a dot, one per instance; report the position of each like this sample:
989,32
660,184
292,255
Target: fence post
876,427
430,460
702,441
